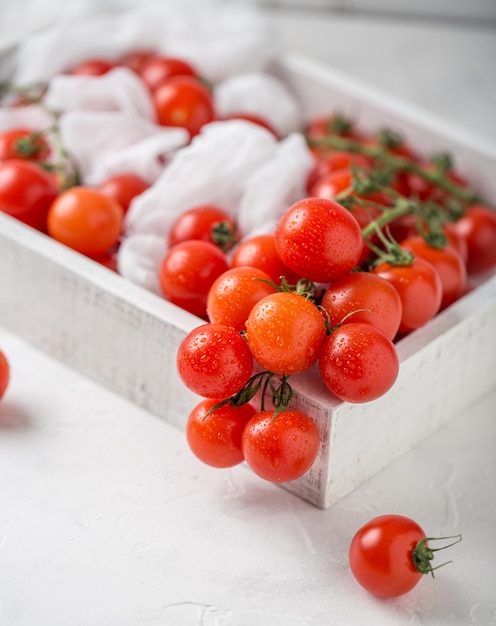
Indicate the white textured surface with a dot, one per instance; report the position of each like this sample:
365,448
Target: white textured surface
107,520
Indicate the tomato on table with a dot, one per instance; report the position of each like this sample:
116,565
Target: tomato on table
281,448
389,555
183,101
214,361
86,220
26,192
187,272
214,436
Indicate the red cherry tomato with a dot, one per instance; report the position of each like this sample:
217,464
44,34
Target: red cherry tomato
4,374
85,220
478,227
207,223
382,555
260,251
135,59
281,448
369,298
23,143
215,438
26,192
188,271
333,161
448,264
420,289
358,362
214,361
234,294
93,67
157,69
319,239
124,187
285,331
254,119
182,101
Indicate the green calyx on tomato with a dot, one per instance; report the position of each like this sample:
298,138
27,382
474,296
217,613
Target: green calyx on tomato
422,554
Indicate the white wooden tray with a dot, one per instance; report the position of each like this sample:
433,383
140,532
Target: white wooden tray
127,338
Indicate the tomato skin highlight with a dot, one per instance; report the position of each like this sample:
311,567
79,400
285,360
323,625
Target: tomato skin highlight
281,448
380,555
285,332
215,439
26,192
358,362
4,374
319,239
86,220
214,361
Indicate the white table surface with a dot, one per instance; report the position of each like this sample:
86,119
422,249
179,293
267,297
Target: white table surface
106,519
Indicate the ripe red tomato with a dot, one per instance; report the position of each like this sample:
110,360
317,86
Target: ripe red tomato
4,374
319,239
135,59
123,188
85,220
187,272
23,143
381,555
234,294
260,251
333,161
285,331
478,227
93,67
214,361
157,69
281,448
206,222
358,362
26,192
336,182
420,289
215,438
254,119
448,264
183,101
371,299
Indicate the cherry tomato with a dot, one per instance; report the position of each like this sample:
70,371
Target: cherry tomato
381,555
234,294
420,289
4,374
124,187
157,69
135,59
478,227
321,126
214,361
337,182
370,298
85,220
358,362
23,143
333,161
187,272
92,67
182,101
448,264
319,239
215,438
26,192
457,240
254,119
285,331
206,222
260,251
281,448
